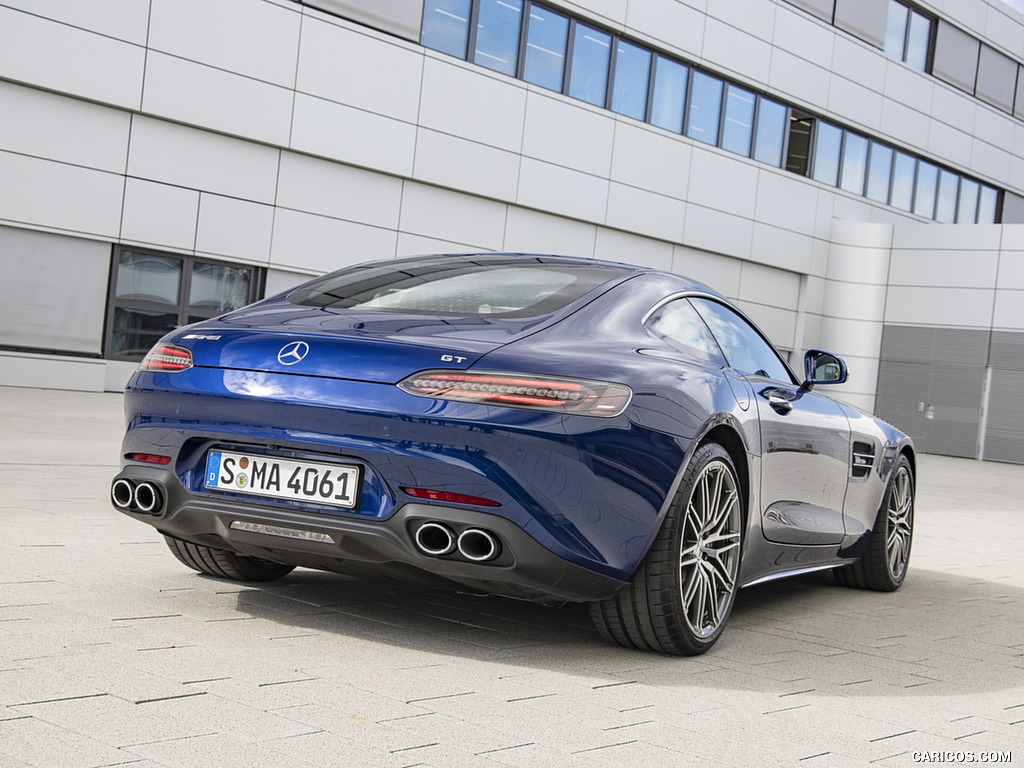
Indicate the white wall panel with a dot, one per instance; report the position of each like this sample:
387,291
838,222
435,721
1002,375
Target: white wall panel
762,284
51,372
233,228
953,269
1009,310
304,241
777,323
713,230
417,245
464,101
854,301
719,273
615,245
969,307
124,19
853,338
281,280
536,232
646,213
675,24
719,180
60,196
446,215
103,69
190,157
799,79
953,107
859,62
352,135
566,133
562,191
361,70
984,237
783,248
57,128
159,214
1011,270
465,165
200,95
908,86
333,189
803,36
256,39
609,11
651,159
786,200
904,124
994,127
859,105
757,19
733,50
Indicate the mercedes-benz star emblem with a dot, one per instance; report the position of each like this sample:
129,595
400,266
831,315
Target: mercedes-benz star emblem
292,353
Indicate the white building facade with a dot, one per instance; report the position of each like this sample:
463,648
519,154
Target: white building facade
850,172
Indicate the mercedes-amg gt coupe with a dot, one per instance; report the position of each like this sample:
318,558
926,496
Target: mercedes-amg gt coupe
543,427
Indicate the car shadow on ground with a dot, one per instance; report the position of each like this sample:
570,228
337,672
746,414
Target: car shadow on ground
806,625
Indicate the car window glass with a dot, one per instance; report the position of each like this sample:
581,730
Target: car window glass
745,349
678,324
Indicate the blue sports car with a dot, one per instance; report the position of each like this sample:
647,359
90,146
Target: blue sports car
543,427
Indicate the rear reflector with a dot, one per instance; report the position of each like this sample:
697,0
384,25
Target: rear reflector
167,358
277,530
543,393
149,458
453,498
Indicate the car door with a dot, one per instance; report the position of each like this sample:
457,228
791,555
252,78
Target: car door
805,437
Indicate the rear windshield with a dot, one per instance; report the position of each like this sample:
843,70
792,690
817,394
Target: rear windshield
453,285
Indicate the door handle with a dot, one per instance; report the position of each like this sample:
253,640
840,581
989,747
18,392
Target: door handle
777,400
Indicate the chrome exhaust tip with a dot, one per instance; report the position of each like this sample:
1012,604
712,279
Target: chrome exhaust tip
148,498
435,539
478,545
122,492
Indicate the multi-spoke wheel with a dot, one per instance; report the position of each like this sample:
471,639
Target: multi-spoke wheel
682,596
884,566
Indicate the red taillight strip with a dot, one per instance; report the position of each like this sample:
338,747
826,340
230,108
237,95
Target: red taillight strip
167,358
452,498
149,458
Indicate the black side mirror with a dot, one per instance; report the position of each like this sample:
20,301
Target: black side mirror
822,367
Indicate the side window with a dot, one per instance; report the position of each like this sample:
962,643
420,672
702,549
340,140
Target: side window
679,325
745,349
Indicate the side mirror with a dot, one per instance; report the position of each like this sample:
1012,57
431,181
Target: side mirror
822,367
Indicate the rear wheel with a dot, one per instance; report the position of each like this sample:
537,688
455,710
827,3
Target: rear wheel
884,566
224,564
681,598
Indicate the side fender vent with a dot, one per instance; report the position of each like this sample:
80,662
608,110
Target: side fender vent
863,459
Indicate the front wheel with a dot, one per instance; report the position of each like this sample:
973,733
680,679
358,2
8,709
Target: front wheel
884,566
680,599
224,564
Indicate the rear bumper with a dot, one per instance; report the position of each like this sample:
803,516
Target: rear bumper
524,568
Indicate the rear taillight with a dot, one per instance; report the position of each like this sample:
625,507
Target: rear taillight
167,358
543,393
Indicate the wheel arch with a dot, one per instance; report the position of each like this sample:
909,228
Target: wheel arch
729,438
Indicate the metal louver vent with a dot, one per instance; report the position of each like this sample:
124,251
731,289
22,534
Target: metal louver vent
863,459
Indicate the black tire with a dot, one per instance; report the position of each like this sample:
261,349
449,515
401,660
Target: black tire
884,566
665,608
224,564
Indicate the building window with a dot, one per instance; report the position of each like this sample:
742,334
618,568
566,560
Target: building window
152,293
668,103
546,41
632,77
770,136
988,204
925,189
908,35
705,108
854,166
827,147
903,170
945,202
446,26
497,35
879,172
738,127
591,56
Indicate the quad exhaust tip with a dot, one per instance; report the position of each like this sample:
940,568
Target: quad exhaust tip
474,544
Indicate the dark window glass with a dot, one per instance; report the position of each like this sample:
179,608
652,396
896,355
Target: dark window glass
924,190
828,141
745,349
679,325
452,285
667,107
879,172
903,170
705,108
967,205
918,41
545,49
855,159
771,132
632,75
738,128
988,201
154,293
945,202
896,29
591,55
497,35
446,26
798,153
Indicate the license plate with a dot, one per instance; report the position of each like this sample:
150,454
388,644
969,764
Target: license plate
333,484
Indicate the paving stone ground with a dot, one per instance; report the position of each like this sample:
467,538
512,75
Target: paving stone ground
114,654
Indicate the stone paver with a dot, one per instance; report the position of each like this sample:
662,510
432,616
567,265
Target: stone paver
112,653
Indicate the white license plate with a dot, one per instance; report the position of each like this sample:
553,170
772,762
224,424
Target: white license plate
333,484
